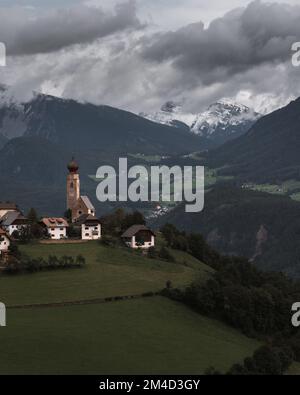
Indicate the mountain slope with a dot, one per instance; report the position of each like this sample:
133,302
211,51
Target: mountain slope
3,141
221,122
86,126
269,152
241,222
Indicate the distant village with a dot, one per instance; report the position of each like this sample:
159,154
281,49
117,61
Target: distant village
81,218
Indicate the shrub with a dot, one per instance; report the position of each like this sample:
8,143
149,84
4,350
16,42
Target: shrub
165,255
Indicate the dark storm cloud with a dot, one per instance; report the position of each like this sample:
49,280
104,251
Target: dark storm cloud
27,31
243,38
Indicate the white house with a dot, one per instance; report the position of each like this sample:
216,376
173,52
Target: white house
139,236
56,227
90,227
13,221
4,241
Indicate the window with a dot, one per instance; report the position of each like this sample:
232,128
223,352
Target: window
87,234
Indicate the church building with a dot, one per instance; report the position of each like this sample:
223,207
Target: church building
78,204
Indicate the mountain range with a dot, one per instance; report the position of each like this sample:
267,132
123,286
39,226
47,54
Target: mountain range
39,136
267,153
222,121
86,126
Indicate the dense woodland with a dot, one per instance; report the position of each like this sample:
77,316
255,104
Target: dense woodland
256,303
262,227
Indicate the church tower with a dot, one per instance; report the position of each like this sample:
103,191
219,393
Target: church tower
73,186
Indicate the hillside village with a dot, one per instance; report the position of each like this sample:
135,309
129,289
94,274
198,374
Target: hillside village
80,217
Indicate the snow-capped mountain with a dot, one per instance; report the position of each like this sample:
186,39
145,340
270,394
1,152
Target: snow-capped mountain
172,114
222,121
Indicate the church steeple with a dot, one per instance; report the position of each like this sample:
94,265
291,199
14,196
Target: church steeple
73,166
73,185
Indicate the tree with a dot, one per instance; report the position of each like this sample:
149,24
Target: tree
32,216
135,218
36,231
68,215
165,255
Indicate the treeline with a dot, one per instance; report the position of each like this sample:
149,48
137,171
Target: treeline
256,303
116,223
267,360
25,264
193,243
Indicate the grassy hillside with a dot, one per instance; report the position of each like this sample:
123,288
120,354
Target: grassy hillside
141,336
109,272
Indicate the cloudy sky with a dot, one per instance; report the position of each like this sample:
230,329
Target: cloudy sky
139,54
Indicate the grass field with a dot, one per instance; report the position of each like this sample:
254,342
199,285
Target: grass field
153,335
109,272
289,188
146,335
294,369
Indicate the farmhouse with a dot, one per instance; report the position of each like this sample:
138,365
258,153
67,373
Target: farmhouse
4,242
56,228
139,236
90,227
6,207
77,204
13,221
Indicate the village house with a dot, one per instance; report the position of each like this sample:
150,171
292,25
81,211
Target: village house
77,204
90,227
4,242
56,228
13,221
6,207
139,236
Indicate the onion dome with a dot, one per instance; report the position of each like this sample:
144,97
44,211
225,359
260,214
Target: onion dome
73,166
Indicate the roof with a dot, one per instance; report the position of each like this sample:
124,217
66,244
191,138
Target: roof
85,219
10,217
133,230
55,222
8,206
87,202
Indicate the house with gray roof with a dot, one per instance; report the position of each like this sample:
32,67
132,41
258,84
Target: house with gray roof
13,221
139,236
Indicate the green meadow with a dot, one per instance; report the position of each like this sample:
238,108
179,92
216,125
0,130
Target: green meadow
145,335
108,272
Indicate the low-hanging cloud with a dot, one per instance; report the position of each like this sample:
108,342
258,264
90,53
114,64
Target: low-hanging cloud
244,38
245,55
28,31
